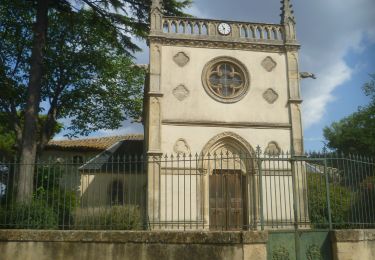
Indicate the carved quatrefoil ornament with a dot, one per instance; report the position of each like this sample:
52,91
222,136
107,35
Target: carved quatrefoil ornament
181,59
181,92
272,149
270,96
181,147
269,64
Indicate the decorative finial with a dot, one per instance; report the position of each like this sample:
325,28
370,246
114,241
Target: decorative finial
287,12
156,16
156,4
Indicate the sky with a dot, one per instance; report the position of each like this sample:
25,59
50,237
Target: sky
337,40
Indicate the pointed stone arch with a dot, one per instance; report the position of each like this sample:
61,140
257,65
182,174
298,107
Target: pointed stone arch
229,138
228,145
227,161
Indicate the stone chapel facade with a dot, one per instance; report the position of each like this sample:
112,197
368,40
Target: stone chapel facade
219,86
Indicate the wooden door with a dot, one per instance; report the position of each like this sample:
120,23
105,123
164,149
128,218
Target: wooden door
227,200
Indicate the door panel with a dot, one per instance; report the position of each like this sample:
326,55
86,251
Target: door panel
234,198
217,202
227,200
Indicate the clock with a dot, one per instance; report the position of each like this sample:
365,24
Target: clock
224,28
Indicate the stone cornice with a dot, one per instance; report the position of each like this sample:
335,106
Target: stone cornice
217,43
207,123
155,94
154,153
292,46
297,101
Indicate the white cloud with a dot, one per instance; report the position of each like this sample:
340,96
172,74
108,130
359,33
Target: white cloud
320,94
328,31
127,128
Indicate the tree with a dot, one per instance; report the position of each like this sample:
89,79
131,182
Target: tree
9,144
117,20
7,139
355,133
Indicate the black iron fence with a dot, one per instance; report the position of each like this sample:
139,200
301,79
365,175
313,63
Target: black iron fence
193,192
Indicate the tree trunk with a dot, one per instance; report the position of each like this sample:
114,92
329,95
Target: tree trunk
29,142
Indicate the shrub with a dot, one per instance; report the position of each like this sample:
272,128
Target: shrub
340,202
48,189
62,203
36,215
115,218
364,206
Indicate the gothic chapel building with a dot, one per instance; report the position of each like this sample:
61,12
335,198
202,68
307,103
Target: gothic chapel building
218,88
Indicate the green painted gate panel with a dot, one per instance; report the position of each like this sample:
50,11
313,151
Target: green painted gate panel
315,245
299,245
281,246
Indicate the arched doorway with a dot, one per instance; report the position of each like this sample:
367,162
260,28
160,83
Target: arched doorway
231,199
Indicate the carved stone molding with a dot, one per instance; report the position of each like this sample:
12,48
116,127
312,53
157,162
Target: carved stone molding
209,123
269,64
292,47
270,96
181,92
210,44
181,147
272,149
181,59
227,135
154,124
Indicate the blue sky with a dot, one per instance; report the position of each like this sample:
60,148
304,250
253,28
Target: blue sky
338,45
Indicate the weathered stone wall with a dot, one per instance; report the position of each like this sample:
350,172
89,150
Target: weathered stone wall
188,112
46,245
353,244
134,245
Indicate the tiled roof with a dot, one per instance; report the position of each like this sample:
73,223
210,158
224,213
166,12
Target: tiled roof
98,144
122,153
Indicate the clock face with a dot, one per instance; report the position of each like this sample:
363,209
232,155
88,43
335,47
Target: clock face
224,29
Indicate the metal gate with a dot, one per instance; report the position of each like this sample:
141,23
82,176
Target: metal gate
303,237
309,245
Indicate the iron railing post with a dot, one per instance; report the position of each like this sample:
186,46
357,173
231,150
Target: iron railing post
261,213
294,187
328,194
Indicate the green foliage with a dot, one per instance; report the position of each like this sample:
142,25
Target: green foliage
369,88
63,203
36,215
340,201
7,142
355,133
116,218
75,57
365,204
89,74
48,189
57,202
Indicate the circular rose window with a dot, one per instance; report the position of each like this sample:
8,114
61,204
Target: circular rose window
225,79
